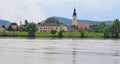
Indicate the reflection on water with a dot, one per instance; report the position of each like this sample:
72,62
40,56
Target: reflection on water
59,51
74,55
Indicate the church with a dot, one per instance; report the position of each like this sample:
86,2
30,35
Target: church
79,25
74,20
47,27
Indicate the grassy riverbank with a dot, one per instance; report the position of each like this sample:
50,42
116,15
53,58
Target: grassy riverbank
48,34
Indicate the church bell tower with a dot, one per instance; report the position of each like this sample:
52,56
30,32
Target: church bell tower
74,21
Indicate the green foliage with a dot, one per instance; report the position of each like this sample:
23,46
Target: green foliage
26,22
74,27
53,32
107,32
10,27
13,23
31,29
52,20
3,26
60,33
115,30
22,28
101,27
82,32
4,33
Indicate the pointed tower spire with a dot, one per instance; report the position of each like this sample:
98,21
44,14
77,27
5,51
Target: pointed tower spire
74,13
74,18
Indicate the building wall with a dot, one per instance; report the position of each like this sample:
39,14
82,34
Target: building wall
63,27
74,20
48,28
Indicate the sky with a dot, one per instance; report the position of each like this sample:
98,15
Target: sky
38,10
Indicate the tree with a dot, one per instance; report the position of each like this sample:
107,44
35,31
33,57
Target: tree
107,32
52,20
31,29
13,23
22,28
115,30
101,27
60,33
82,32
26,22
10,28
74,27
3,26
53,32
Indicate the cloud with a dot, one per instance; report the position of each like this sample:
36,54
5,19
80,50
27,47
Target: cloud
37,10
99,9
99,4
19,10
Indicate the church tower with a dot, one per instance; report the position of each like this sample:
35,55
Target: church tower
74,22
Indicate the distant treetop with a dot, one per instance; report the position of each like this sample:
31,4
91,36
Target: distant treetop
52,20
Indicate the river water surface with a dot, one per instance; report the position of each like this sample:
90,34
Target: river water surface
59,51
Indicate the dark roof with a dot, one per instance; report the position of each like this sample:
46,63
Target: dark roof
74,13
48,24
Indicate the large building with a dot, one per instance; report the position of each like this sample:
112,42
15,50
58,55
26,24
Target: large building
79,25
47,27
74,21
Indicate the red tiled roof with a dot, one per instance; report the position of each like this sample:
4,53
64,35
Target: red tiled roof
14,26
83,25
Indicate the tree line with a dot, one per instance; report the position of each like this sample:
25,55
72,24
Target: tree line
31,28
109,31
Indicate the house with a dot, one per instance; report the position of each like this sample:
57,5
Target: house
1,28
83,26
63,27
47,27
14,27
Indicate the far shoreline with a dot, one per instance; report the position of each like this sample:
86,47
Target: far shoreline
54,38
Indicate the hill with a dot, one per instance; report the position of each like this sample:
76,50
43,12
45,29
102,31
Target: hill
69,21
4,22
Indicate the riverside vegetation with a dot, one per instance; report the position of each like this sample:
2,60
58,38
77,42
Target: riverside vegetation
30,29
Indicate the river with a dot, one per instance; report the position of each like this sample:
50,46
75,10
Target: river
59,51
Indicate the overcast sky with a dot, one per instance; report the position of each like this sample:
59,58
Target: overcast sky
37,10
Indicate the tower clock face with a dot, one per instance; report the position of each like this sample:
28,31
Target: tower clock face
74,19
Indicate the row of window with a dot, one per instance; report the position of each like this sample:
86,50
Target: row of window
45,30
49,27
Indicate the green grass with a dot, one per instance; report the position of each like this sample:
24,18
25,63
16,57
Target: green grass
43,34
13,33
77,34
71,34
21,33
94,34
48,34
